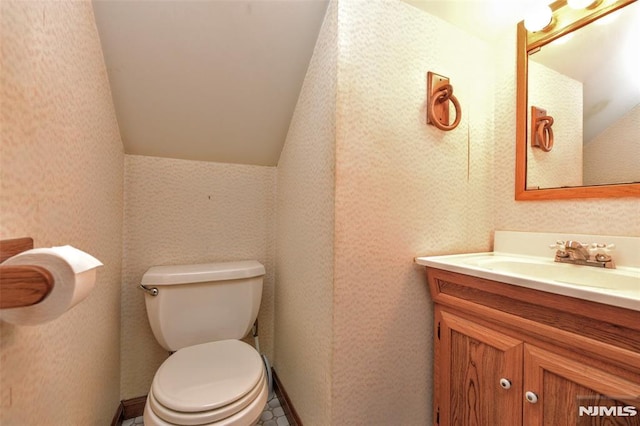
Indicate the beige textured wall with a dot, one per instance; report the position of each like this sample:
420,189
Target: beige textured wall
353,314
304,265
178,212
403,189
614,155
61,165
561,97
363,187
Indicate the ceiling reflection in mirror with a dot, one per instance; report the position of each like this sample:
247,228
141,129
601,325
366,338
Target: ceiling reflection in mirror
588,82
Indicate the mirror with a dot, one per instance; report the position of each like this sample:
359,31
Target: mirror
572,72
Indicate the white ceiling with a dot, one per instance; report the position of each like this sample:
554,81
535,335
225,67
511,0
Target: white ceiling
207,80
218,80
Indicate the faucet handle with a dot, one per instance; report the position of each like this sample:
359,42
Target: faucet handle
606,248
559,245
600,250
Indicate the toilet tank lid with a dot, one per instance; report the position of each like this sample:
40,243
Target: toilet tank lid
186,274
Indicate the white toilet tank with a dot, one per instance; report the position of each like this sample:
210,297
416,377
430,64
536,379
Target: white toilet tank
203,303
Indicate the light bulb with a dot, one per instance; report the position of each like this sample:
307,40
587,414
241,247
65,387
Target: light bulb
538,18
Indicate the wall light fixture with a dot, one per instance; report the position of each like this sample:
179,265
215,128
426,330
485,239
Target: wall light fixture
538,18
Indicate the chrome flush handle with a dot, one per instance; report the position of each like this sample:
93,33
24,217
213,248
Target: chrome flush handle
149,290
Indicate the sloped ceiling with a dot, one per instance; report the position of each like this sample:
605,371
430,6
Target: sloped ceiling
218,80
207,80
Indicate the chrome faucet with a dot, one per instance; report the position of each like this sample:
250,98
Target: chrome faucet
576,250
577,253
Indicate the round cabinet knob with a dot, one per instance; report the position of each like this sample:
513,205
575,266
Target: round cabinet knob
531,397
505,383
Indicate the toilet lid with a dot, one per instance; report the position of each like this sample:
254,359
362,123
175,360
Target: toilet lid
207,376
257,395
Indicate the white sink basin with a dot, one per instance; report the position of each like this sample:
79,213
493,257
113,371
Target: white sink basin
618,287
623,280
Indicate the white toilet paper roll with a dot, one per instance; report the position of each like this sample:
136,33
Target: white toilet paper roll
74,275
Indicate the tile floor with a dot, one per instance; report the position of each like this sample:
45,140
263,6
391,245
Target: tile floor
273,415
131,422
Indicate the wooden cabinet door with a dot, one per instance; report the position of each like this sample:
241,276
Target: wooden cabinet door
471,360
561,386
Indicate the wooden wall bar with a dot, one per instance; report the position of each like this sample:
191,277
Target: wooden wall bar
22,285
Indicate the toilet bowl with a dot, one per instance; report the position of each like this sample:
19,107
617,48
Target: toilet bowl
217,383
201,312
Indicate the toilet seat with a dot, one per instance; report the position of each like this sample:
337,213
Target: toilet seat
208,383
249,416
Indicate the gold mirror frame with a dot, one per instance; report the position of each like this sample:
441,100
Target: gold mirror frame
565,20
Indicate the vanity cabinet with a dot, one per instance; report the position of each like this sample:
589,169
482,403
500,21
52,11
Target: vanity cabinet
474,365
508,355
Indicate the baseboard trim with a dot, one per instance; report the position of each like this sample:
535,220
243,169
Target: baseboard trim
129,409
285,402
119,416
134,407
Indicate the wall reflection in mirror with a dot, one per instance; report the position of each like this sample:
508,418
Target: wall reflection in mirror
589,82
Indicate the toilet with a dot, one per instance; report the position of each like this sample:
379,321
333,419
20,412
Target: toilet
200,312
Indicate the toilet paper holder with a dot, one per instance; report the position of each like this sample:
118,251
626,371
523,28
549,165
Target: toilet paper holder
22,285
